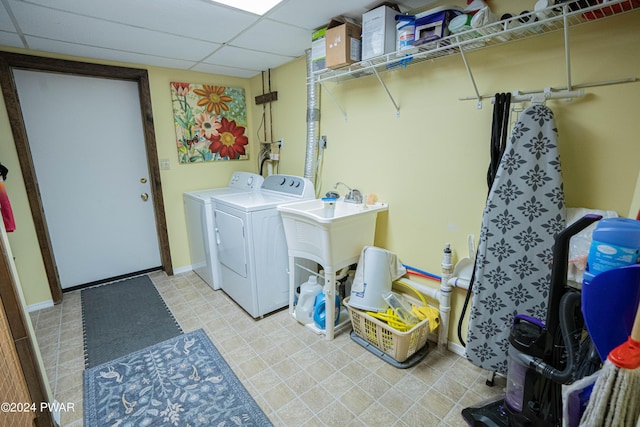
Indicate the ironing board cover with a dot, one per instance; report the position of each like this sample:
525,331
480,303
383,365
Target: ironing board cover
523,214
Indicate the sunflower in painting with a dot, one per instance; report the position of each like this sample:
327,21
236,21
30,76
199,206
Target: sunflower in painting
213,98
230,141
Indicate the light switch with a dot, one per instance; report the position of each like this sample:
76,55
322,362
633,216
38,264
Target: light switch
165,164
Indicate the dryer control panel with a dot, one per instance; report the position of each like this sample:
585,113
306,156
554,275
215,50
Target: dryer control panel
290,185
246,181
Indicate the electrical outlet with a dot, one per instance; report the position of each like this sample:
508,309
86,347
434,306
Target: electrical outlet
323,142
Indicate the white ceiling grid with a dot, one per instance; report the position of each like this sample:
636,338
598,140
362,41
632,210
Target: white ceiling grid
198,35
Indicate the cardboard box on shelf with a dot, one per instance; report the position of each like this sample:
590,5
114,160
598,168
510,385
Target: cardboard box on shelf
378,32
343,44
318,49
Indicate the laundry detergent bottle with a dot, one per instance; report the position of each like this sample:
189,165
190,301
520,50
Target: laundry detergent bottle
306,301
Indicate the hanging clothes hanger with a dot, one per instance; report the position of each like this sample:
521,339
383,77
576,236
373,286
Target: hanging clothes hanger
4,172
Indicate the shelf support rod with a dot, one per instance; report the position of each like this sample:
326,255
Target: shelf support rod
393,101
473,81
567,57
335,101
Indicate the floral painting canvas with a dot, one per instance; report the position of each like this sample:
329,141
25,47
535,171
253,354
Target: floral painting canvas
210,122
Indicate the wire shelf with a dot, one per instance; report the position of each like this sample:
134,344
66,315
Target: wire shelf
559,17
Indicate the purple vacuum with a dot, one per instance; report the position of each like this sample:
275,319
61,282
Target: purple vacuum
543,354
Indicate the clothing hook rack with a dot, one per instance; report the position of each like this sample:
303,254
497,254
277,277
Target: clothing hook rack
542,97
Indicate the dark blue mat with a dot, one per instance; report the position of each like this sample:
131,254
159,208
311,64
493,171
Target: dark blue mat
183,381
122,317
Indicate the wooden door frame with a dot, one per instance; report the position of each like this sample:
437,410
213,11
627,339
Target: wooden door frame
25,345
8,61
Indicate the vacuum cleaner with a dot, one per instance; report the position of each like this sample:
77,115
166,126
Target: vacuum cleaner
543,354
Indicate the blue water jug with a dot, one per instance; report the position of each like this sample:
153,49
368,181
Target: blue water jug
320,312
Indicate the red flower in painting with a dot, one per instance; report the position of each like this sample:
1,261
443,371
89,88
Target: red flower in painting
181,88
230,140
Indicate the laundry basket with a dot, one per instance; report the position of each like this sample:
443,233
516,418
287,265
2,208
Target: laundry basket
398,345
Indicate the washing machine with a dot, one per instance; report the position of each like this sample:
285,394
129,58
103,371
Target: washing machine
198,210
252,248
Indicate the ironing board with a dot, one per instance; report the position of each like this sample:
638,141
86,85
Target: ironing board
523,214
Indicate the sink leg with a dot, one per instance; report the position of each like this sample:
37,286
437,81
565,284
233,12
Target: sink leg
292,284
330,310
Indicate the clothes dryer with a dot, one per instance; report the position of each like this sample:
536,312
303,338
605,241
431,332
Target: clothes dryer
201,224
252,249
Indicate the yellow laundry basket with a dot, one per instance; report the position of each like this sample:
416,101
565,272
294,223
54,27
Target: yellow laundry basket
398,345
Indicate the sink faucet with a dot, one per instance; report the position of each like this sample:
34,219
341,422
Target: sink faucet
354,195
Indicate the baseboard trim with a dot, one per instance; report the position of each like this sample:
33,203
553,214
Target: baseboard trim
181,270
40,306
456,348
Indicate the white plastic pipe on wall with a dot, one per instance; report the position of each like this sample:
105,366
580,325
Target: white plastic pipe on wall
443,296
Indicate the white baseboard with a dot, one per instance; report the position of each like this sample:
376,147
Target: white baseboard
181,270
40,306
456,348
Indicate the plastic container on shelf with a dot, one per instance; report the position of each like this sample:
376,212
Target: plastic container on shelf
306,301
405,31
616,243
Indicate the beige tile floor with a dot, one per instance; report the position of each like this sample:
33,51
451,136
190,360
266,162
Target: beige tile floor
298,378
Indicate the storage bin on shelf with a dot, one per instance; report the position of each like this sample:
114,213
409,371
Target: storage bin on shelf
398,345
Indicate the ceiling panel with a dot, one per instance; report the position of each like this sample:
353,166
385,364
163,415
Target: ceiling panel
108,54
274,37
5,20
85,31
203,20
226,71
235,57
10,39
314,14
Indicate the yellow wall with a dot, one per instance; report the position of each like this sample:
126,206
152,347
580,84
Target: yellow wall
430,163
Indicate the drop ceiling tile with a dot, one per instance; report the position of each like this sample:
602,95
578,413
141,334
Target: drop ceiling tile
244,58
98,33
108,54
5,21
198,19
226,71
314,14
10,39
274,37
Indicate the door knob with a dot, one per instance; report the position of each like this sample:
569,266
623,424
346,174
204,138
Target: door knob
144,197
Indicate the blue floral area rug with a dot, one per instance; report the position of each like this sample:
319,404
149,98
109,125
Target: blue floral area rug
181,382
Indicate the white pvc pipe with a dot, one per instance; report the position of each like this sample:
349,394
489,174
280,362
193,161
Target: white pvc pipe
459,282
443,296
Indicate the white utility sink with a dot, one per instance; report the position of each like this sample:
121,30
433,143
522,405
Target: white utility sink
315,210
334,241
329,240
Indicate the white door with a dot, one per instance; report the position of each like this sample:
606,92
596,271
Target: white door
88,150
